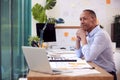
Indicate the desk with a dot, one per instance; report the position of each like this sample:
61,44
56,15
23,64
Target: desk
41,76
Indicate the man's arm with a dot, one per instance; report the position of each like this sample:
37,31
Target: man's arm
92,50
96,47
79,41
81,36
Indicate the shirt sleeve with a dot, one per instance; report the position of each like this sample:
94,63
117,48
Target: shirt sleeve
95,48
79,52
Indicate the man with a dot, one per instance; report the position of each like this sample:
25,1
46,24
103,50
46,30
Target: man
93,43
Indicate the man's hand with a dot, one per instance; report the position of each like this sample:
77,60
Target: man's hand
81,35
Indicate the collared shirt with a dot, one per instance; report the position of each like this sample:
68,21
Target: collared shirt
98,49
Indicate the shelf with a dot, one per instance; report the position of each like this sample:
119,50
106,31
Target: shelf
67,27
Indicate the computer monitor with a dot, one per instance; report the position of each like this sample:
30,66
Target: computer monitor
49,34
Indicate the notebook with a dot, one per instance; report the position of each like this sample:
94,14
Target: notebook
37,60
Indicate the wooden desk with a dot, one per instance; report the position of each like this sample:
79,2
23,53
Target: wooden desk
41,76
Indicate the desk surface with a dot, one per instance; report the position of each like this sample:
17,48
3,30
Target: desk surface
41,76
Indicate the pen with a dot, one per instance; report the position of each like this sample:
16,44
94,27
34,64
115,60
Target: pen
86,68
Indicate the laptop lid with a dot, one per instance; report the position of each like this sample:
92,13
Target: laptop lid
37,59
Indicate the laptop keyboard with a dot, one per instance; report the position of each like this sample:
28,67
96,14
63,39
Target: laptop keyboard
72,60
60,59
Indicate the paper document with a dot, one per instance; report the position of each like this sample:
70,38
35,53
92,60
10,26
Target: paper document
71,65
79,68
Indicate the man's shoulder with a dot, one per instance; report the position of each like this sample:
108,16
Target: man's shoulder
102,33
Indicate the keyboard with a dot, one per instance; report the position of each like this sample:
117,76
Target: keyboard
73,60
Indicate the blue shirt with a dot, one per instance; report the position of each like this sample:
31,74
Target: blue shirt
98,49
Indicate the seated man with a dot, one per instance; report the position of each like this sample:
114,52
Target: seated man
93,43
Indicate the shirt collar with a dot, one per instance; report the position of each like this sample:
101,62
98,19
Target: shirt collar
94,31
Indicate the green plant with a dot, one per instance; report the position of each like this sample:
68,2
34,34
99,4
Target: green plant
117,18
39,11
33,38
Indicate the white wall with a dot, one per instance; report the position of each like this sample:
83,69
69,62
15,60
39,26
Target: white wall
70,10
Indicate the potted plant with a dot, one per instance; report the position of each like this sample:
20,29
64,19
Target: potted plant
115,33
117,18
33,41
39,11
39,14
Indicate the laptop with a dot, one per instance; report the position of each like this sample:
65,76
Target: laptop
37,60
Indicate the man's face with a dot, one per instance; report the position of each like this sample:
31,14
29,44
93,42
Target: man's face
87,21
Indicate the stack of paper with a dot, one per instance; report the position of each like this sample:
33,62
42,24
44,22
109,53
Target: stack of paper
80,67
